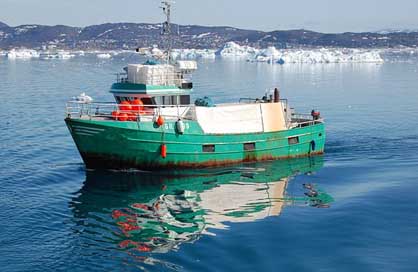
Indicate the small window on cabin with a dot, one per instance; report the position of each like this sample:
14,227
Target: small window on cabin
158,100
208,148
167,100
293,140
184,99
249,146
174,100
148,101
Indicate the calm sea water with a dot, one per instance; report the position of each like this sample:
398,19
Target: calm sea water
56,216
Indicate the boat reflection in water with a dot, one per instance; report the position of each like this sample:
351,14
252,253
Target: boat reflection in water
149,212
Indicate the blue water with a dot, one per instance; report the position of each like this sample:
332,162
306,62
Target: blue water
56,216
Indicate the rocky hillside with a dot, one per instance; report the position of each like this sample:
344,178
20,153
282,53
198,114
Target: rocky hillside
130,35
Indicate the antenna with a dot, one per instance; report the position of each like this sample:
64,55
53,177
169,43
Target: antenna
166,26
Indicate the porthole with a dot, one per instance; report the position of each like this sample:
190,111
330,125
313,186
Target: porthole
208,148
249,146
293,140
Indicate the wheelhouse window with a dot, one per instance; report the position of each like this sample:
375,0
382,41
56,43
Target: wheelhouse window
148,100
159,100
173,100
168,100
184,99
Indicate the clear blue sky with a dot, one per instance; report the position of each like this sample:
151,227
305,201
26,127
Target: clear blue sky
319,15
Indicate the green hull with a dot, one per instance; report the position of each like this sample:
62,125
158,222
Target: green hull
105,144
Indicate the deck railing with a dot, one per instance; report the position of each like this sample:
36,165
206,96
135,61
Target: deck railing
300,124
77,109
303,120
166,79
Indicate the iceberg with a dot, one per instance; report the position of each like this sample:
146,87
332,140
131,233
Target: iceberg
193,54
56,55
22,54
157,53
65,55
79,53
322,55
104,56
232,49
316,55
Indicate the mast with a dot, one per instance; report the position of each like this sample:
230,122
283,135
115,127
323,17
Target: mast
166,27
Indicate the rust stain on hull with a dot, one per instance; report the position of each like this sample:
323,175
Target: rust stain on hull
97,161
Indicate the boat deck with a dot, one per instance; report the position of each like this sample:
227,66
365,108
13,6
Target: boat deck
224,118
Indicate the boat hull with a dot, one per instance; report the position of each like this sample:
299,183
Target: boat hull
106,144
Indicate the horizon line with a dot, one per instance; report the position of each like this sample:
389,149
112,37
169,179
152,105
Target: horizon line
388,30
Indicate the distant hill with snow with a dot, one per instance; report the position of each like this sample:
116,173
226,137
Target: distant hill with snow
132,35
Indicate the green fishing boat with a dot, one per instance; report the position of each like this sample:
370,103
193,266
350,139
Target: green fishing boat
153,125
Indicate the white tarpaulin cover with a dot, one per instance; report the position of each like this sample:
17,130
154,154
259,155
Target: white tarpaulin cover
250,118
161,74
230,119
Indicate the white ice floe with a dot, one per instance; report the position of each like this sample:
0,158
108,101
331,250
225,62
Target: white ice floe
193,54
274,55
329,55
104,56
79,53
322,55
22,54
319,55
232,49
156,52
271,54
56,55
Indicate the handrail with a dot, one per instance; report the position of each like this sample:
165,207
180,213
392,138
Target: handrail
168,78
105,109
311,122
79,109
301,116
258,100
116,104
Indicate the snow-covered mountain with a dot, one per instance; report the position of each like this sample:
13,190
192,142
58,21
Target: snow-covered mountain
129,35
